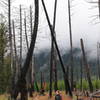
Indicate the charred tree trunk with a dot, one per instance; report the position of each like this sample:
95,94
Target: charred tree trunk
56,45
41,80
31,25
81,74
15,53
51,70
32,60
33,74
99,7
86,67
10,43
10,33
21,83
98,59
67,71
28,78
53,57
26,32
71,45
54,50
20,39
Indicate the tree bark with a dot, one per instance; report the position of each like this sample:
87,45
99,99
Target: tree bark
71,45
21,83
98,59
20,40
86,67
56,45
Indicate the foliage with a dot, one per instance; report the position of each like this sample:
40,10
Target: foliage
85,86
5,71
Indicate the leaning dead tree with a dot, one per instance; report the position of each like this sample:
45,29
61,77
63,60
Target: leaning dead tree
71,45
21,83
86,66
67,85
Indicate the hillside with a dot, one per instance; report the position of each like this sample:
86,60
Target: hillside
42,63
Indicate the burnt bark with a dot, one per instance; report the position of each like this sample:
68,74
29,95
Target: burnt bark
86,67
20,40
81,74
56,45
21,83
98,59
71,45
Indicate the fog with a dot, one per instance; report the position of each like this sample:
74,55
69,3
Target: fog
85,24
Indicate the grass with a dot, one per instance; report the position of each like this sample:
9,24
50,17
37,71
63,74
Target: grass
4,97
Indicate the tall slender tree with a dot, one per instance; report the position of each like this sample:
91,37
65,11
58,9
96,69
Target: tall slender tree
55,53
71,44
26,36
20,37
53,56
98,59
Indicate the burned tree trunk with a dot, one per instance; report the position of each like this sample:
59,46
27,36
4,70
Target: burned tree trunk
51,70
53,67
41,80
99,7
28,77
20,39
98,59
26,32
21,83
54,49
10,33
32,60
10,44
86,67
67,85
71,45
81,73
31,25
15,55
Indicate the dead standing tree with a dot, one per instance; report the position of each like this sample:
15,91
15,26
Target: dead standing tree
20,39
81,73
67,85
21,83
53,65
29,74
10,44
26,36
86,66
71,45
15,75
98,59
55,53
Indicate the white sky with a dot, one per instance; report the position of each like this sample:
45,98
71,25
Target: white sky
82,24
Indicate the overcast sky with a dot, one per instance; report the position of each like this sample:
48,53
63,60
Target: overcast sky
83,25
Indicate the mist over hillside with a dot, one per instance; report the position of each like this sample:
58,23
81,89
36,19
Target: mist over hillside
42,63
